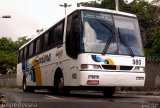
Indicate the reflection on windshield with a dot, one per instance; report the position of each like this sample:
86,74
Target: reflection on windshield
96,33
125,45
129,33
99,34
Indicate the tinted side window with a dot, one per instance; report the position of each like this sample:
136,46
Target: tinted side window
49,38
52,36
58,33
45,44
73,34
37,45
68,35
25,53
31,49
20,55
41,42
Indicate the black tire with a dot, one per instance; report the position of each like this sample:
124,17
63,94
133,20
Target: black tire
59,88
25,87
108,92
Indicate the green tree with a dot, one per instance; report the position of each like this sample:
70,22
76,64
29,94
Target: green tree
106,4
21,41
89,4
147,17
9,53
156,41
40,30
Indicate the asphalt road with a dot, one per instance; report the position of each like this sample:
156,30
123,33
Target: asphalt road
42,99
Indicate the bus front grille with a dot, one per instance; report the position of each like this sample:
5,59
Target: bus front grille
116,67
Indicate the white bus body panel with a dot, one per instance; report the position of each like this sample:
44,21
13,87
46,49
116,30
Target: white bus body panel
46,68
113,77
74,76
19,74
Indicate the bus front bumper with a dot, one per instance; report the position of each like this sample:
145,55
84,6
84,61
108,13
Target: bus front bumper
102,79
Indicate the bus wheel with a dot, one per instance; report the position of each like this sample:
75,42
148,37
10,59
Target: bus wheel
26,88
24,85
108,92
59,87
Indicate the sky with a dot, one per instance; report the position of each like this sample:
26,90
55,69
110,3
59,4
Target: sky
29,15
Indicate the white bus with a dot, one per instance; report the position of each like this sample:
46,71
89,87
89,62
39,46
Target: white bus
89,48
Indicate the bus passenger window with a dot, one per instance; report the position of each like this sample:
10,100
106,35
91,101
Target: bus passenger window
31,49
25,53
37,45
42,42
72,35
45,45
50,38
20,55
58,34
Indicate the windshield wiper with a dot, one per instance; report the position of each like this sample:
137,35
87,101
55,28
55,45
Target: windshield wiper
125,43
110,38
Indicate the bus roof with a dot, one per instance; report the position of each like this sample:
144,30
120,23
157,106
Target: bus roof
106,10
85,8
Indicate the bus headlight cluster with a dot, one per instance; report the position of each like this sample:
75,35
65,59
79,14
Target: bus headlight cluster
90,66
139,69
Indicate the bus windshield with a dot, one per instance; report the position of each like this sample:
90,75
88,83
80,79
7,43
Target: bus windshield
110,34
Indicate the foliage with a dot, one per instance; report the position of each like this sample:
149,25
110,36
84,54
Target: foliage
21,41
9,52
40,30
156,41
89,4
110,4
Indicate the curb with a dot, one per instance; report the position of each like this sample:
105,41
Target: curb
151,93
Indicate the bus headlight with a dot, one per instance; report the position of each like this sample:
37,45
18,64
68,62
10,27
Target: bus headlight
90,66
140,69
